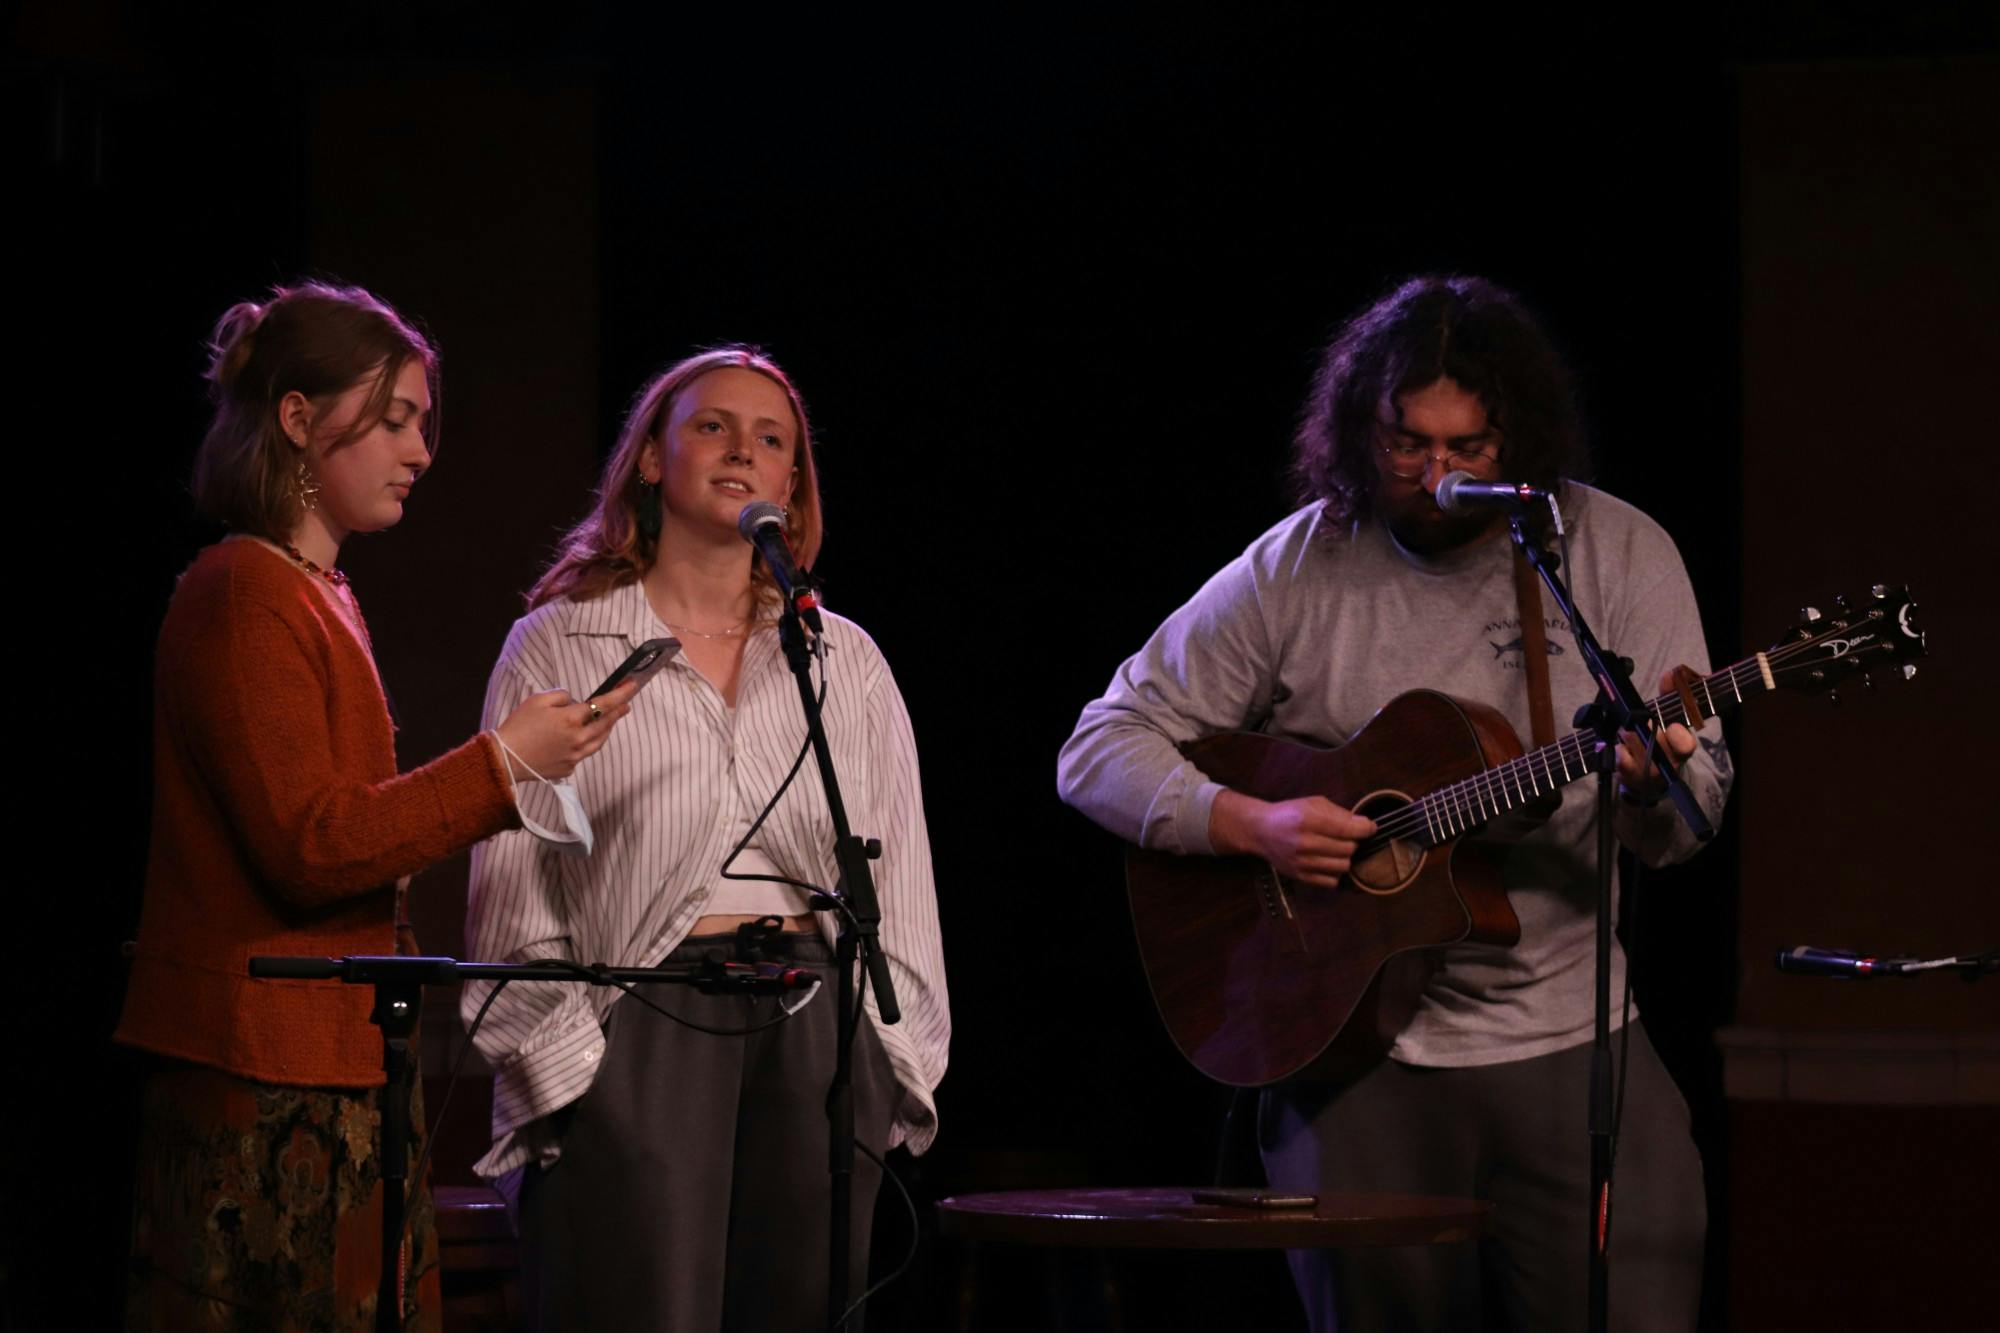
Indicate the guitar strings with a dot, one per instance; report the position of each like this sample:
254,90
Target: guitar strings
1459,806
1455,808
1462,805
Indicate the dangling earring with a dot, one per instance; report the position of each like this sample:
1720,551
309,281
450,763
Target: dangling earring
306,485
646,512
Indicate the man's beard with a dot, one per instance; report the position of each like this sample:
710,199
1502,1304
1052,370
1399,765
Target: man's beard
1422,527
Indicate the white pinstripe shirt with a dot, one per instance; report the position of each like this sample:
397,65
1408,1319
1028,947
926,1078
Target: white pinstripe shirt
655,798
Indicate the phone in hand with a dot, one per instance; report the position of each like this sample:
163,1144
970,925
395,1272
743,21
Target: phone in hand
645,661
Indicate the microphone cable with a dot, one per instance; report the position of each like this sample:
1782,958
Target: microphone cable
916,1236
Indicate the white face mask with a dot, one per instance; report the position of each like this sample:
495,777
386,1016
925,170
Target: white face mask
577,839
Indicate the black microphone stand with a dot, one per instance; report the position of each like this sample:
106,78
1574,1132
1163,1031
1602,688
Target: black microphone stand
859,939
1618,709
399,984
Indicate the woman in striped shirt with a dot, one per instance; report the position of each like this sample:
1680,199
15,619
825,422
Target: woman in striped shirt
688,1188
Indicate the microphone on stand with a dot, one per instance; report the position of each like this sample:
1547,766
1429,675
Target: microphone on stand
1461,493
763,526
1808,961
755,979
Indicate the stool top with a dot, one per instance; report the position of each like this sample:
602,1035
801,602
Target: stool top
469,1214
1169,1218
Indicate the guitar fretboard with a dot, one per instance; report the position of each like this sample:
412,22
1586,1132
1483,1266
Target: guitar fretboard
1458,809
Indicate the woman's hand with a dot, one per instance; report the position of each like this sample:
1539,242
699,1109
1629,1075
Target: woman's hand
552,733
1310,840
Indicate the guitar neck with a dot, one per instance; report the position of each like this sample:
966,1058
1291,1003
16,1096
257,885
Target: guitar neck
1452,811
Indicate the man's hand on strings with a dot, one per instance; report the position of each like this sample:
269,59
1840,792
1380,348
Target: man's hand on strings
1310,839
1638,778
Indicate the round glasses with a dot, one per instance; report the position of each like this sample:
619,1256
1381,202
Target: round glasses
1413,460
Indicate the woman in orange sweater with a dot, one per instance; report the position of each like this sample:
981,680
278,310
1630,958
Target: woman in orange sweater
281,826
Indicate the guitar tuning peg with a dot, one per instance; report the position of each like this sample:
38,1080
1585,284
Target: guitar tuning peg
1841,601
1880,592
1833,697
1866,683
1909,671
1808,614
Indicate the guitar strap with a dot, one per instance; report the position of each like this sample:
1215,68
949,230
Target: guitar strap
1534,650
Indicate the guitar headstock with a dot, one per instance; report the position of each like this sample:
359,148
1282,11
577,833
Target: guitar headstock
1880,635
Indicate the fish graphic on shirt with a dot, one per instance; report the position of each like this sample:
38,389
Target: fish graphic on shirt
1514,646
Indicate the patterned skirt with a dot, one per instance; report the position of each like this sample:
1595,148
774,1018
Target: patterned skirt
260,1207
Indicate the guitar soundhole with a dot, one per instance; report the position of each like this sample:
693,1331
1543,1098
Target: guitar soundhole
1390,867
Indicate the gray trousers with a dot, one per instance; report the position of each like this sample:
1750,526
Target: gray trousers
1515,1134
692,1192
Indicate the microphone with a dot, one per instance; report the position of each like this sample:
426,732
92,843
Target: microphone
763,526
1808,961
754,978
1461,492
787,978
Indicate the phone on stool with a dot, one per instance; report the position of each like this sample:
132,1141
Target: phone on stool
1252,1197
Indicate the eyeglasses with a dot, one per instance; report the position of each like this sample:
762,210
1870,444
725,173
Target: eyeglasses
1413,460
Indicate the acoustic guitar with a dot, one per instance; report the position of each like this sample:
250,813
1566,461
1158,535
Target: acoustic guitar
1261,979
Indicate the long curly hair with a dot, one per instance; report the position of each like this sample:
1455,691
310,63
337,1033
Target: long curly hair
607,549
1429,328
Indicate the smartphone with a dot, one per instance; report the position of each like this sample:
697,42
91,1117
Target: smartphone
1253,1198
645,660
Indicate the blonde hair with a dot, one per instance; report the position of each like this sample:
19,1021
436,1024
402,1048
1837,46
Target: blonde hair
607,549
315,339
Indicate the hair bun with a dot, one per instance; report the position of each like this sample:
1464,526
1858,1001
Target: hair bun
230,346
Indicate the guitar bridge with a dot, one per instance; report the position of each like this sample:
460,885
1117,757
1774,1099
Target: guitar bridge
1271,891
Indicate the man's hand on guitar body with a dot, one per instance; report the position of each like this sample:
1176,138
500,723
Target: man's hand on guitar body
1310,840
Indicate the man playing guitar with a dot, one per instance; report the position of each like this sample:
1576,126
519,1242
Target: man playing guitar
1369,591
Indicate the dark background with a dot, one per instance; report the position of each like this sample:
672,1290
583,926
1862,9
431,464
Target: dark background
1053,290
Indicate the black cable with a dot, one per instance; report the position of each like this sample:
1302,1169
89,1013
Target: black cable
1629,900
805,748
450,1085
909,1203
598,975
916,1236
632,989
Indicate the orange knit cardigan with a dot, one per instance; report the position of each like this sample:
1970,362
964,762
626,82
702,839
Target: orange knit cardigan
280,826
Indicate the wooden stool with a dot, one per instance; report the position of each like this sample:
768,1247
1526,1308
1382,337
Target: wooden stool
1170,1219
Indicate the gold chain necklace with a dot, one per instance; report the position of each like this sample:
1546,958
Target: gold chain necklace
734,633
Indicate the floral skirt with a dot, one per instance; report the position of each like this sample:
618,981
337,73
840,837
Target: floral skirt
260,1207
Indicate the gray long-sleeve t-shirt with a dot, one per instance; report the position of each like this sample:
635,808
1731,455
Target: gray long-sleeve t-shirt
1314,628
